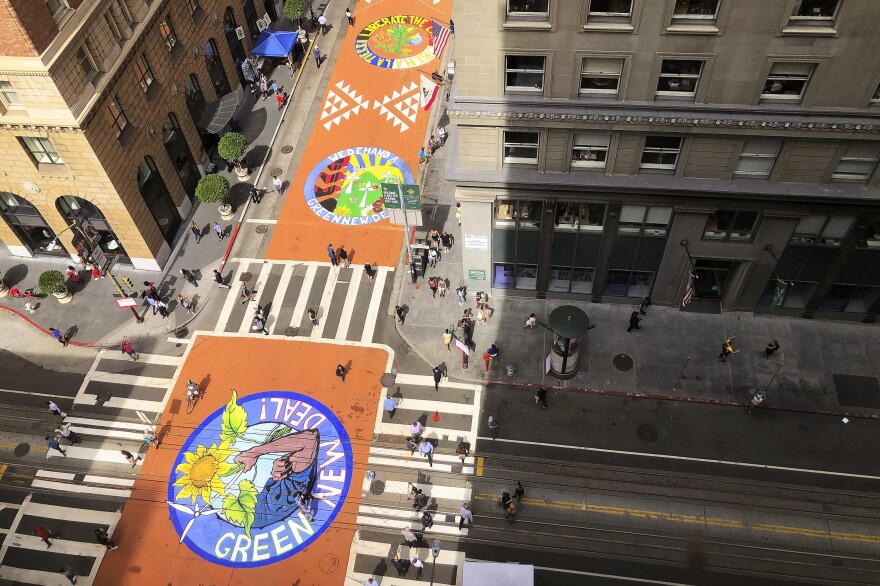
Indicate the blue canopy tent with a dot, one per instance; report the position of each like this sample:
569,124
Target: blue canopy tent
277,44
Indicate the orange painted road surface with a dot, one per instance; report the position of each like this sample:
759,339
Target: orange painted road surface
150,552
369,131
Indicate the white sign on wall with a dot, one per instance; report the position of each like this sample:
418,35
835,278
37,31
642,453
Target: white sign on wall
474,242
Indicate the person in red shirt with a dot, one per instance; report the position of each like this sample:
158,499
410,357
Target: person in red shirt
44,534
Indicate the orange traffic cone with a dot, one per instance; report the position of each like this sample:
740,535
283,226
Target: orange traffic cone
436,416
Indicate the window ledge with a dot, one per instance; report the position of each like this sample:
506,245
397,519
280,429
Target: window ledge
53,169
198,16
692,29
127,135
609,27
153,91
176,52
810,31
524,25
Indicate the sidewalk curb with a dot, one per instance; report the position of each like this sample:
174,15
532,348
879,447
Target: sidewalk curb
44,330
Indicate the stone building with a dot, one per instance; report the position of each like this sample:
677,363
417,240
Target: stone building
99,101
607,149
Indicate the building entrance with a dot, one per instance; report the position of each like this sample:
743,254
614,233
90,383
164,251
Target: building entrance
712,277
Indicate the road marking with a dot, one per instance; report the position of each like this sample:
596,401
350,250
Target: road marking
132,380
373,308
72,514
324,303
426,380
280,292
3,468
627,578
380,549
439,491
687,459
303,298
142,358
479,466
232,295
348,306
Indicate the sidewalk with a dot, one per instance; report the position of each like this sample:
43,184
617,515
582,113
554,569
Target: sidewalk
823,366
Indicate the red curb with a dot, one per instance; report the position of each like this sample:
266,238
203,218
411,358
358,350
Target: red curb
41,328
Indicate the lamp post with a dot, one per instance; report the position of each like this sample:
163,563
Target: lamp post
435,551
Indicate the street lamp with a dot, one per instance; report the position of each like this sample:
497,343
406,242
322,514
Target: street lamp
435,551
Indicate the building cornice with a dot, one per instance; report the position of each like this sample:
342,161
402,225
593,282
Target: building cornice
39,128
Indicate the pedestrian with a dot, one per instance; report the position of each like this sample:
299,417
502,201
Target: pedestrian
218,278
349,16
519,491
530,321
277,184
432,283
259,325
420,500
343,256
432,145
441,132
126,348
130,458
56,333
418,565
426,449
190,278
447,340
643,306
151,439
219,230
255,195
162,307
432,257
196,231
493,427
247,295
332,254
280,98
772,346
487,358
409,538
458,213
341,372
102,537
634,321
52,443
322,22
541,398
64,431
427,520
371,582
317,54
466,513
510,512
462,451
258,309
152,303
151,291
313,316
461,292
274,85
438,375
31,308
44,535
415,430
55,410
401,569
447,240
727,349
423,156
264,87
371,274
73,274
69,574
442,286
96,272
185,303
452,28
401,314
390,405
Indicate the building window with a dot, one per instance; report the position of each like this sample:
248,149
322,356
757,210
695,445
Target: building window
757,157
695,9
28,224
58,8
41,150
143,72
86,63
821,230
628,283
610,8
114,30
525,214
524,72
590,149
872,234
730,225
115,116
787,81
814,13
849,298
192,5
661,152
521,147
166,29
9,96
583,217
600,75
644,220
858,161
679,77
531,9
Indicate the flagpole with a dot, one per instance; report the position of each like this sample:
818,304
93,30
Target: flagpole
684,243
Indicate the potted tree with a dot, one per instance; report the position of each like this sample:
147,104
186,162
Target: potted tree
295,10
53,282
232,147
213,188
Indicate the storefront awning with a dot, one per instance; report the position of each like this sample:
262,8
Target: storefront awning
219,113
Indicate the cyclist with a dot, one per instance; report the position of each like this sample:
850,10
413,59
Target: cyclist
192,391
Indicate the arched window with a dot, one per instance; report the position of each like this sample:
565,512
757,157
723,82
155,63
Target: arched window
195,100
157,198
28,224
235,47
215,69
270,9
250,17
92,226
180,155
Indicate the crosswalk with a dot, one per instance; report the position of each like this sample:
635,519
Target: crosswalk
386,508
347,303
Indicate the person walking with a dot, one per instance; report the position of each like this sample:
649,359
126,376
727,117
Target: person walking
127,348
398,565
401,314
371,582
103,538
52,443
409,538
772,346
259,325
247,295
447,340
162,308
185,303
341,372
343,256
438,375
634,321
219,230
277,184
510,512
466,513
55,410
420,500
316,52
196,231
151,439
390,405
56,333
68,573
432,258
426,449
531,321
45,534
493,427
218,278
349,16
64,431
441,285
189,276
541,397
322,22
458,213
313,317
418,565
415,430
441,132
332,254
371,274
461,292
73,274
727,349
519,491
130,458
432,283
462,451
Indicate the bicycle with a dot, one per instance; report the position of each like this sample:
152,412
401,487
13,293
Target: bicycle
26,294
193,394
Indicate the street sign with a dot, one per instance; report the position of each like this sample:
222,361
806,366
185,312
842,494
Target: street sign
412,196
127,302
474,242
476,274
461,346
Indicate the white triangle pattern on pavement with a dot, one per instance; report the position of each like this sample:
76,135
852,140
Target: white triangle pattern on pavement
341,103
400,106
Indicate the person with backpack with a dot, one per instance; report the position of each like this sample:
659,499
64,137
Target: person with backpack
127,348
727,349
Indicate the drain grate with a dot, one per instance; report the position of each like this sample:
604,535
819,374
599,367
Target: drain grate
286,149
622,362
261,229
377,487
276,171
291,332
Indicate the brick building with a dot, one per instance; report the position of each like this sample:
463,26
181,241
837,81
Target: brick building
594,138
99,101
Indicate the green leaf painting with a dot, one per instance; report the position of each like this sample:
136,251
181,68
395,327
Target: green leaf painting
234,422
239,510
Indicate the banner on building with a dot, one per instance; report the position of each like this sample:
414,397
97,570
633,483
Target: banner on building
779,294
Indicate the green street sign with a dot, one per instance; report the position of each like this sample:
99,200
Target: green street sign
476,274
412,196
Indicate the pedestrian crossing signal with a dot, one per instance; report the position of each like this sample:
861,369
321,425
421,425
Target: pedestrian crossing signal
127,282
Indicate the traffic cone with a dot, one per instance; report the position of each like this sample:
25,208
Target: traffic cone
436,416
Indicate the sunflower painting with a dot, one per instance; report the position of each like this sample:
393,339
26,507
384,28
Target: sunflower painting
202,471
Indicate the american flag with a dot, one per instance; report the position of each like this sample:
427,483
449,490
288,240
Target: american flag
441,37
689,292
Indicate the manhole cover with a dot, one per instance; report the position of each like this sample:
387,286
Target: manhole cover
261,229
647,433
22,450
245,277
622,362
181,333
291,332
286,149
388,379
329,563
377,487
276,171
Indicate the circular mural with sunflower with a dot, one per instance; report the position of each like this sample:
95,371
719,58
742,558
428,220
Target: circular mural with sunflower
397,42
260,479
346,187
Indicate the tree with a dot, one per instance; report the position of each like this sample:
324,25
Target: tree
51,282
232,147
295,9
212,188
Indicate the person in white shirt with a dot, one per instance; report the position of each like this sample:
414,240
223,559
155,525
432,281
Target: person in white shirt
531,321
322,21
426,449
409,537
466,513
415,430
418,565
371,582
